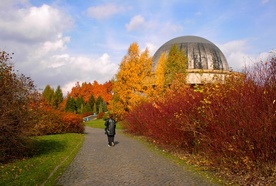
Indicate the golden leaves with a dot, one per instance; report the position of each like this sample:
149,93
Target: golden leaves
130,85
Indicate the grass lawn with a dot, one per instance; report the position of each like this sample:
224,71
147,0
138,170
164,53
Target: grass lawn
99,123
53,153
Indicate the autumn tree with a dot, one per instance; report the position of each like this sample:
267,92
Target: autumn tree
160,75
130,81
86,90
17,116
76,91
96,89
175,64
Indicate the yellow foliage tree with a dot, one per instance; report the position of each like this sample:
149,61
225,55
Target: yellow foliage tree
130,83
160,75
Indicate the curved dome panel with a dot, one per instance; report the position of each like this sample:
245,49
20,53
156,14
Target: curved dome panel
201,53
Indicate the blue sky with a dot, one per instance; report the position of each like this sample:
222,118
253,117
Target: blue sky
61,42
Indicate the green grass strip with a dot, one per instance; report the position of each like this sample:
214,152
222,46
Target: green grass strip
52,154
99,123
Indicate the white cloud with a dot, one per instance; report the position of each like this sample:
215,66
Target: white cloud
236,53
104,11
136,22
50,46
36,36
57,61
7,4
78,69
33,34
68,87
152,48
33,24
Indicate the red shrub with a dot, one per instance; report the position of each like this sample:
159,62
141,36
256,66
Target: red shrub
86,114
166,122
100,115
57,122
72,123
233,124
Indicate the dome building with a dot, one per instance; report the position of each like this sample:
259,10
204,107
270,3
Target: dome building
206,62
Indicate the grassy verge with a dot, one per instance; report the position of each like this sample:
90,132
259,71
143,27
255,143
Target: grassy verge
99,123
52,154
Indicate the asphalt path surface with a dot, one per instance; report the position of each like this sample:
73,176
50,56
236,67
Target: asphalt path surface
129,162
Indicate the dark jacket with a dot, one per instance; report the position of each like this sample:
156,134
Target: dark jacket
110,126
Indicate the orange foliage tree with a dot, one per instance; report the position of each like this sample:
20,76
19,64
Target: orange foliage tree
87,89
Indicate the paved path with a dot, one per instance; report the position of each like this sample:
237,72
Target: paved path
128,163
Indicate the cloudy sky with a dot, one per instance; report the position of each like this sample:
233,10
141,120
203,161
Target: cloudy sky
61,42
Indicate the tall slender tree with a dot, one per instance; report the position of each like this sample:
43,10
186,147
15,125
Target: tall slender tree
91,101
57,97
160,74
48,94
175,64
79,104
99,105
95,108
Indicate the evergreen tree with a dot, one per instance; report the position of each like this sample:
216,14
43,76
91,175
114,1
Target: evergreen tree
71,105
91,101
87,108
104,106
94,108
48,94
57,98
101,107
79,104
99,102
